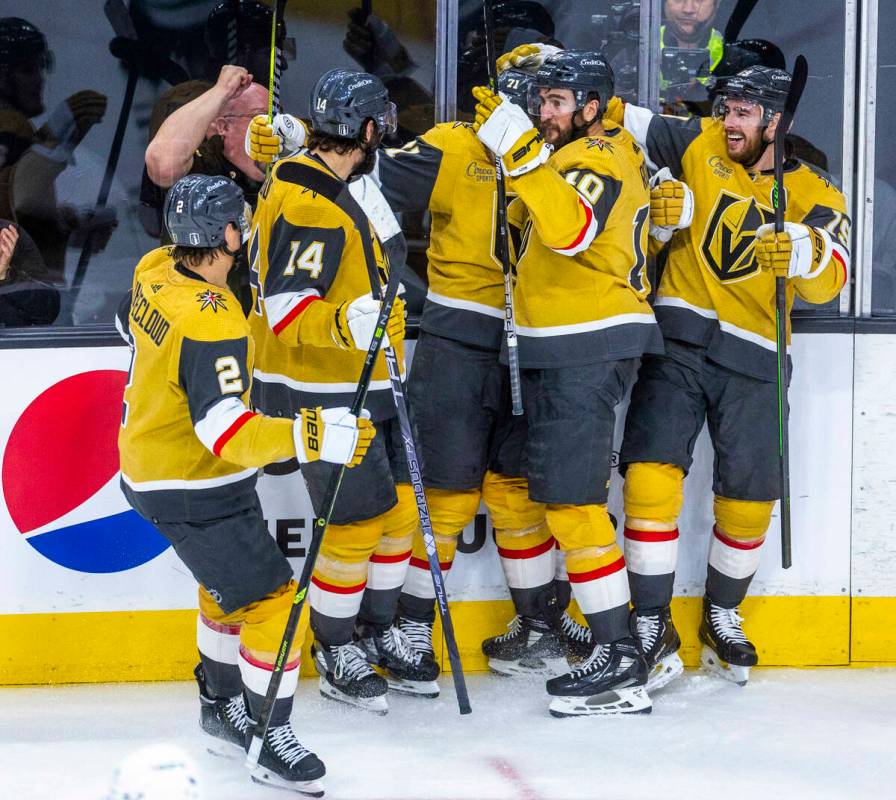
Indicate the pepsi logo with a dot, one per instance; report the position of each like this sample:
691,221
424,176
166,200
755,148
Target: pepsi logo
60,478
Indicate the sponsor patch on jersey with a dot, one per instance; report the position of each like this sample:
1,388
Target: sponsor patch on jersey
728,245
479,173
155,287
719,168
211,299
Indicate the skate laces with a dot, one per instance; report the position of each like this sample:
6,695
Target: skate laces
283,742
419,634
351,663
235,711
726,622
598,659
396,641
648,630
572,629
513,629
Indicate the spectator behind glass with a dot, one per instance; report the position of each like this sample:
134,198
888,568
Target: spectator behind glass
691,48
207,136
25,298
31,159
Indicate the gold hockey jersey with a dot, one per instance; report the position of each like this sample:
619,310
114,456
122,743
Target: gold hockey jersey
450,172
190,446
712,292
306,249
581,288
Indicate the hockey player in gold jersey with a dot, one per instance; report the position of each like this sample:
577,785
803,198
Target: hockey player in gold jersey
190,450
317,258
583,320
716,308
457,386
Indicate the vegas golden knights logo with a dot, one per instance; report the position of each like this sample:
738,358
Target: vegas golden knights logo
728,245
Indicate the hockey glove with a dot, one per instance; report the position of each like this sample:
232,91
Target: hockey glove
527,57
267,142
355,323
615,111
797,252
334,435
671,205
506,130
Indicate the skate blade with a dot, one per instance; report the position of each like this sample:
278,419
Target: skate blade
221,747
715,666
666,670
428,689
547,667
375,705
267,777
630,700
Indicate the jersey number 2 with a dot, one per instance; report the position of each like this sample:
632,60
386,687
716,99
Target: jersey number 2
229,375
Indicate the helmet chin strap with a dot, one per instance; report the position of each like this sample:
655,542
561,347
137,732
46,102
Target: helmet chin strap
579,130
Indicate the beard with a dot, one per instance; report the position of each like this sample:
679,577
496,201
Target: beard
556,136
369,162
750,153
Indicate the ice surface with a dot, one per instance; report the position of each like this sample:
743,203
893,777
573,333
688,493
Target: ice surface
823,733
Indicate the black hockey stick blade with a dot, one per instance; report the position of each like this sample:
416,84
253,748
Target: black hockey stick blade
738,19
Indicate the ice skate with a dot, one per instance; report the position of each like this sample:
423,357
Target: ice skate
346,676
726,650
611,681
530,647
406,669
286,764
660,643
224,720
578,641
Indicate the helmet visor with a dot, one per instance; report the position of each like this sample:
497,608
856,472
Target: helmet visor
740,109
244,222
544,101
388,120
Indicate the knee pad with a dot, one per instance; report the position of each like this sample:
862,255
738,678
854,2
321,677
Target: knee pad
451,510
403,518
743,519
446,547
532,541
352,543
653,493
576,527
509,504
584,561
210,609
265,621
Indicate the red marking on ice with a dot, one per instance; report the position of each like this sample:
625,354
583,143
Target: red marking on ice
510,773
63,448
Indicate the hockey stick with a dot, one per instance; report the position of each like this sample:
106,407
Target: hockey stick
429,541
317,537
279,11
779,201
738,18
501,230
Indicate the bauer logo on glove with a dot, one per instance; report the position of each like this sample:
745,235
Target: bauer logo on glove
506,130
268,141
334,435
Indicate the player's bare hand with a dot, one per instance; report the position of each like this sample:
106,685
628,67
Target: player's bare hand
8,238
232,81
88,108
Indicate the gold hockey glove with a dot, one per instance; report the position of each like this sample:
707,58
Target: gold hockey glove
799,251
671,205
528,57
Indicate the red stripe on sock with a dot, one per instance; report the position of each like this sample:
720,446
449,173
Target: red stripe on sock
376,558
651,536
329,587
735,543
600,572
217,627
530,552
232,431
255,662
422,563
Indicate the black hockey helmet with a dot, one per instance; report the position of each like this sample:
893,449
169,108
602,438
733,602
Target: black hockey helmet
766,86
343,99
582,71
21,41
199,208
515,83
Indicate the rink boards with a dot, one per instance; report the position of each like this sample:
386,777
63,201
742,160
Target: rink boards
89,593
